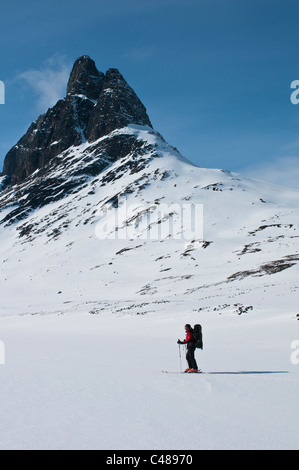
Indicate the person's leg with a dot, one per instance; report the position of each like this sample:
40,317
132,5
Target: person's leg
193,363
189,359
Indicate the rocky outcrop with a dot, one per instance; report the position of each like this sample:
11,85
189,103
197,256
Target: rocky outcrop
95,104
117,106
72,171
85,79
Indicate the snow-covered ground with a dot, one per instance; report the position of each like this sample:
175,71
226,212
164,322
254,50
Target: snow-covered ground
81,381
89,324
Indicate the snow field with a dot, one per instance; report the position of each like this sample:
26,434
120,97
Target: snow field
94,382
89,324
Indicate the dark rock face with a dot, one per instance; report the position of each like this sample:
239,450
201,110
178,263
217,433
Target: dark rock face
117,106
51,134
69,172
95,105
85,79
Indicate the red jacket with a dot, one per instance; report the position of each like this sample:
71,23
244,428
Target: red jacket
189,337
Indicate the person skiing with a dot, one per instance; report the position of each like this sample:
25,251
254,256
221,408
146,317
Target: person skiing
190,350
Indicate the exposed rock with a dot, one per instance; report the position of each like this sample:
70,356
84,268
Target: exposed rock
95,105
85,79
117,107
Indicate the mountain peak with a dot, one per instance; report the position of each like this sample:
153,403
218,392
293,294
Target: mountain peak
85,79
117,106
95,105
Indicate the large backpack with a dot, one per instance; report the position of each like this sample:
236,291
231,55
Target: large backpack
197,332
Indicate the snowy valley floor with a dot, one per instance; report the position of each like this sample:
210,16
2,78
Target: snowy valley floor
82,381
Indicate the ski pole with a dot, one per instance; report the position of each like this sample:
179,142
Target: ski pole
180,358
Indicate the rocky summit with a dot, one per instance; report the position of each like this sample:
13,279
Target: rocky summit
95,104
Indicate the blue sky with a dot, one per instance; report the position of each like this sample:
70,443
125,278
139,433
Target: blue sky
214,75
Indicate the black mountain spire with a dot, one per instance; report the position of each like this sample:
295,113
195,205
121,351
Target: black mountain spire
85,79
95,105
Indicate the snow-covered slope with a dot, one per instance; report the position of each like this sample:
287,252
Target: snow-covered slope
71,251
110,241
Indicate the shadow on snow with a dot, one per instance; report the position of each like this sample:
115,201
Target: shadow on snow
241,372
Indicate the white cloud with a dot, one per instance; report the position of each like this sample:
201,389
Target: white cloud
49,82
283,171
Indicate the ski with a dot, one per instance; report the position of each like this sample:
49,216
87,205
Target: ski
176,372
171,372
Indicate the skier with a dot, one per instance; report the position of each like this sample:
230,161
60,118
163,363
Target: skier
190,350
